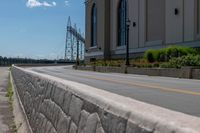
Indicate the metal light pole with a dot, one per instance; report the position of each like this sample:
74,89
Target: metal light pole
127,34
77,54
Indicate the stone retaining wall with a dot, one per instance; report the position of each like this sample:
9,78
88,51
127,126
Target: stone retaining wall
53,105
185,72
196,73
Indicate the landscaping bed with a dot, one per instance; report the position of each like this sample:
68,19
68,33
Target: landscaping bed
173,61
185,72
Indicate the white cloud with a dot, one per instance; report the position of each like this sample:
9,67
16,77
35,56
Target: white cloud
67,2
37,3
54,3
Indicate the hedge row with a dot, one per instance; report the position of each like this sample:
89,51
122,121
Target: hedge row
165,54
189,60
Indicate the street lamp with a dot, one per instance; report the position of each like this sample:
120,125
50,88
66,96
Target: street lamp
128,22
77,54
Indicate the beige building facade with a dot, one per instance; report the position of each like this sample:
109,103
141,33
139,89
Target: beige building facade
153,24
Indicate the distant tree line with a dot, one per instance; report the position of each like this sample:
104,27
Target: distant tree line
4,61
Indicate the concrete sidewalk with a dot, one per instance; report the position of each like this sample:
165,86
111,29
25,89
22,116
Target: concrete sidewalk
6,114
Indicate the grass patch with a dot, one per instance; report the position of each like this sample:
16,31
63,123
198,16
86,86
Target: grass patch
9,93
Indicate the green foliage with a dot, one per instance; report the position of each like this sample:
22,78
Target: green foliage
149,55
160,55
171,52
9,93
198,50
188,60
114,63
165,54
165,65
143,63
4,61
177,51
170,57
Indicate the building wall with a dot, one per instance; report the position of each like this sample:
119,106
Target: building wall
96,51
197,19
158,23
155,20
174,23
189,20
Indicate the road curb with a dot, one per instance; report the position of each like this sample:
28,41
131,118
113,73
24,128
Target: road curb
20,116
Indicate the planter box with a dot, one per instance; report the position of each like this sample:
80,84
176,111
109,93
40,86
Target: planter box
167,72
185,72
110,69
196,73
87,68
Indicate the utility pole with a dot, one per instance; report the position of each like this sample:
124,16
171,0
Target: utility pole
68,42
75,35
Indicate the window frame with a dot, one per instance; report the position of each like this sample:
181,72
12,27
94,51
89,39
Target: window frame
121,26
94,26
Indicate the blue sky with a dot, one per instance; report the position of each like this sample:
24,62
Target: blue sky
36,28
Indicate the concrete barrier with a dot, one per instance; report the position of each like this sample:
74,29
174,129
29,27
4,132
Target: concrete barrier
54,105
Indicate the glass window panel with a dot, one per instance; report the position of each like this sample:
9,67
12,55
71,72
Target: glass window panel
94,26
122,23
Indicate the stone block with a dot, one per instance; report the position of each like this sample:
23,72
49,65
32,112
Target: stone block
52,92
196,73
63,123
90,107
92,122
67,101
100,130
52,130
83,121
43,125
48,90
133,128
50,110
75,109
48,127
55,114
59,96
112,123
73,128
44,107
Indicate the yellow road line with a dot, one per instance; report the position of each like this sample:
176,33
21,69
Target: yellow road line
145,85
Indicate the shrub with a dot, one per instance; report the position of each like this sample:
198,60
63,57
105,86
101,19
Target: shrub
160,55
188,60
166,65
143,63
114,63
171,52
150,55
165,54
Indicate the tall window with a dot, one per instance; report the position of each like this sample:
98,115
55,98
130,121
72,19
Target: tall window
122,23
198,17
94,26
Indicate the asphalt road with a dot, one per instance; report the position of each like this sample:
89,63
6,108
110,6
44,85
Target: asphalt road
181,95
